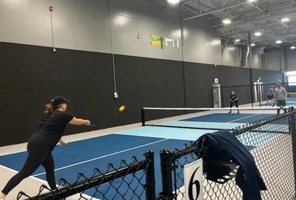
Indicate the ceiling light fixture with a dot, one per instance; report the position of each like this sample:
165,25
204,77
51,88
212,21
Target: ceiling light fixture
253,44
226,21
258,34
237,40
173,1
252,0
292,47
285,19
278,41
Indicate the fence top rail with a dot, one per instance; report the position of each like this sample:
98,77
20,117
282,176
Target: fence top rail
87,183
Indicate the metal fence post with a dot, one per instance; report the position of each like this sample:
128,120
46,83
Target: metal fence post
166,175
143,116
292,129
150,175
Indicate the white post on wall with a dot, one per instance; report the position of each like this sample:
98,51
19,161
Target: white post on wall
216,94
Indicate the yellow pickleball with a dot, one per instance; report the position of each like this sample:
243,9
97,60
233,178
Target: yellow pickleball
121,108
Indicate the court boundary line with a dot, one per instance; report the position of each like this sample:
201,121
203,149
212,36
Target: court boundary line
104,156
43,181
244,117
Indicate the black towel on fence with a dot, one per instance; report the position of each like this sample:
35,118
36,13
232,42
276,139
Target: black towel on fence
223,145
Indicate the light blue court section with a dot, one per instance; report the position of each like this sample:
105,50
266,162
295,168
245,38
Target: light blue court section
188,132
248,139
256,139
291,101
166,132
214,125
260,138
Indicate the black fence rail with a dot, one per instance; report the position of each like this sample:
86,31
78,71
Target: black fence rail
128,181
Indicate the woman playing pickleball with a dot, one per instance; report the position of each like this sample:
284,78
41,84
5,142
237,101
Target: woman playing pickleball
42,143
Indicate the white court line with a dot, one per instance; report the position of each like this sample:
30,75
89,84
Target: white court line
42,181
111,154
243,118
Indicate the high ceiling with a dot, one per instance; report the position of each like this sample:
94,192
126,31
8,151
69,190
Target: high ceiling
246,17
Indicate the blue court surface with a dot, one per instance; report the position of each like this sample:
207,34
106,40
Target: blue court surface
85,155
230,118
290,102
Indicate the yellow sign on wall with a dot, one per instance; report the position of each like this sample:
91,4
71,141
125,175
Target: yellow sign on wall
156,40
163,41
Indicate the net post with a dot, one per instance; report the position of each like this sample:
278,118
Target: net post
143,116
150,175
166,175
292,129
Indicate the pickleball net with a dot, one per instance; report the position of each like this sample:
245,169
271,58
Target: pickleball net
206,118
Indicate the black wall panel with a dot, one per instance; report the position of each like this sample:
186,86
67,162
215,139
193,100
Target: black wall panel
268,77
144,82
200,77
30,76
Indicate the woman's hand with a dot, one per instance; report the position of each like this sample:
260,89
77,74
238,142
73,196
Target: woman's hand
62,143
79,122
87,123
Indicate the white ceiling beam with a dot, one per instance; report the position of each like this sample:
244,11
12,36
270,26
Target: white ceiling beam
213,11
236,31
279,21
241,22
190,9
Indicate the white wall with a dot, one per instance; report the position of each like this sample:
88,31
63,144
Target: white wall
116,26
201,43
231,56
290,58
273,59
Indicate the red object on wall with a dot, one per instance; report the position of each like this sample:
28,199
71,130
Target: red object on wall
50,8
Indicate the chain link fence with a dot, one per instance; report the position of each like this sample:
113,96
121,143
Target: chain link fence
128,181
271,142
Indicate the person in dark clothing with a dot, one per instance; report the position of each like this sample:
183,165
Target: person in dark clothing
42,143
233,100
